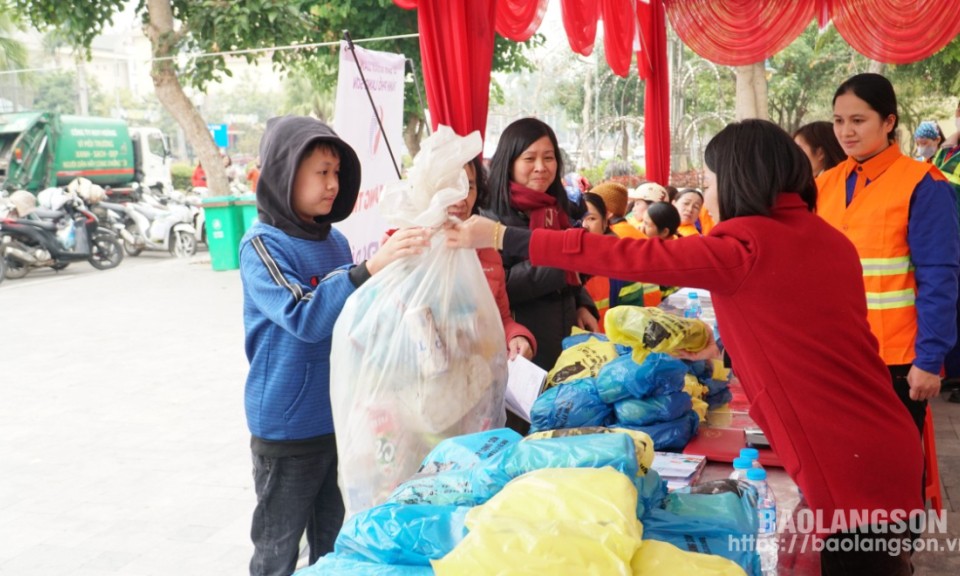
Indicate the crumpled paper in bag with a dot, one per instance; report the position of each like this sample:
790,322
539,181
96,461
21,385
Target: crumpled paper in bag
434,182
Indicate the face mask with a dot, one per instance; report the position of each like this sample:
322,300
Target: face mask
926,151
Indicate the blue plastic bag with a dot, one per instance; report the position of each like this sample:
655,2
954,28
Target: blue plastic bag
672,435
462,452
575,339
707,523
588,451
651,492
570,405
719,398
623,378
640,412
460,471
411,534
337,565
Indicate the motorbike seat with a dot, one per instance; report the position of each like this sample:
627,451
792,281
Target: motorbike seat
120,208
49,214
149,211
42,224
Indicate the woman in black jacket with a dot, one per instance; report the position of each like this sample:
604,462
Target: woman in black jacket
526,190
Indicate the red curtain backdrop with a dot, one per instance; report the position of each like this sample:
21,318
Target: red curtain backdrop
456,43
517,20
456,47
652,63
619,30
739,32
896,31
580,23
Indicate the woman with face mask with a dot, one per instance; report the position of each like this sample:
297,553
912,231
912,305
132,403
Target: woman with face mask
947,159
928,138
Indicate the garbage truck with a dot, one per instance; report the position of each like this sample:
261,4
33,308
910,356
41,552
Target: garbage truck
43,149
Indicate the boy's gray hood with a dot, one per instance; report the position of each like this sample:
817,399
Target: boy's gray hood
284,143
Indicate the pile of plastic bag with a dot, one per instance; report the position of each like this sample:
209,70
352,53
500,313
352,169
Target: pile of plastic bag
649,397
714,379
419,351
560,502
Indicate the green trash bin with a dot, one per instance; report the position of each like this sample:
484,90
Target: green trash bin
248,210
224,231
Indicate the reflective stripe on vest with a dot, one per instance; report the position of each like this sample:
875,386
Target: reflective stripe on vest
886,266
890,300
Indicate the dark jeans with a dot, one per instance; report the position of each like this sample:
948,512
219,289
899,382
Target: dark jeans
294,493
857,561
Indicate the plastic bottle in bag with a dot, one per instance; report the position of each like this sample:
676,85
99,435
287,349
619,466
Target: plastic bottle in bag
693,308
767,545
66,233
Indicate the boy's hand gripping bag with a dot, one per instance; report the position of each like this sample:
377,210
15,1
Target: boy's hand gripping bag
419,351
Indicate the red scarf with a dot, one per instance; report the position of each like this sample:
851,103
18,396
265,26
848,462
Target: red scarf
543,212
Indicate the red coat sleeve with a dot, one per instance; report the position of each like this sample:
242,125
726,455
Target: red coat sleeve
718,263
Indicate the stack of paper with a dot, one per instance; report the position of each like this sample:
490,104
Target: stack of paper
525,382
678,470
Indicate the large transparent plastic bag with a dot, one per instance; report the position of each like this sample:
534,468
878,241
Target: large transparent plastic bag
419,353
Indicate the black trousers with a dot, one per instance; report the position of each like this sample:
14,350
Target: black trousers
917,408
865,554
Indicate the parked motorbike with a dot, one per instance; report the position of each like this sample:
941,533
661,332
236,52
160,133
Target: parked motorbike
56,238
156,223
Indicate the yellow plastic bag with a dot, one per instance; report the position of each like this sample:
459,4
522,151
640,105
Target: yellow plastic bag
655,558
581,361
694,388
560,521
642,442
649,330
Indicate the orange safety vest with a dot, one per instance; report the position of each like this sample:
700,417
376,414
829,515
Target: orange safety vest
876,223
599,289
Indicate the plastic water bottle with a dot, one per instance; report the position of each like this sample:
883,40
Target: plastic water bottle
767,546
753,455
740,467
693,309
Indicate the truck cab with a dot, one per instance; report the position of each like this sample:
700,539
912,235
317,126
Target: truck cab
152,157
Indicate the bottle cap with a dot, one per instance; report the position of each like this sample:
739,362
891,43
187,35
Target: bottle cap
742,463
693,295
751,453
756,474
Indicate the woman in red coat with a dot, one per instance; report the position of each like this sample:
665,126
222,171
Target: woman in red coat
788,292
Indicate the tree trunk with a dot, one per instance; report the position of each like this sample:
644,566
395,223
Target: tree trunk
413,133
751,92
163,40
82,88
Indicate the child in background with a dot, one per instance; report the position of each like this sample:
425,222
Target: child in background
595,220
297,272
643,196
615,197
610,292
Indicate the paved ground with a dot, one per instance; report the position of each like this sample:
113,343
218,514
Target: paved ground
121,425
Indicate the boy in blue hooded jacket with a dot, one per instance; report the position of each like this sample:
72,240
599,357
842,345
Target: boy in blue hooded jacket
297,272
